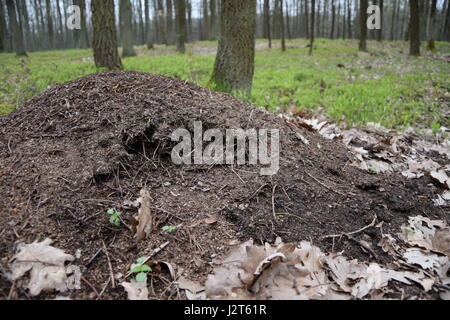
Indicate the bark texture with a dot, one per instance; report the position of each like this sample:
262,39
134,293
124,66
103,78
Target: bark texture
234,65
105,35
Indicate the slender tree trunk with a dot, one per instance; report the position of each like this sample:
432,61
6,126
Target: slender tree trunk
267,33
105,35
312,29
60,24
394,12
308,31
23,11
162,23
205,22
344,20
363,25
281,22
3,29
338,33
318,32
17,34
126,17
380,32
50,34
432,27
234,66
189,21
169,22
181,25
333,19
414,25
288,22
148,27
349,20
213,15
446,26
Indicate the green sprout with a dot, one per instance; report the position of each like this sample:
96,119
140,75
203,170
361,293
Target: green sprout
141,269
169,228
115,217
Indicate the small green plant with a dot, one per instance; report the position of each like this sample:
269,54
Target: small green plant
140,269
115,217
373,168
169,228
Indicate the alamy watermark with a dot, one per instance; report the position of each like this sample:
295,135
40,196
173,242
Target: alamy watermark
74,17
228,147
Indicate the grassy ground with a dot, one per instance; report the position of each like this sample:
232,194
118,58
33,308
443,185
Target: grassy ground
387,87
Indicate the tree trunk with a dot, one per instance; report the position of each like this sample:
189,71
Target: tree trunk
234,65
162,23
380,32
148,27
288,23
312,29
414,31
307,19
189,21
363,25
344,20
3,29
333,19
23,11
17,34
432,27
446,27
105,35
181,24
126,18
394,12
318,19
349,20
281,21
212,20
169,22
266,21
50,32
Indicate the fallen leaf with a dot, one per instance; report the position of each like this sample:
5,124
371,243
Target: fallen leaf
146,223
47,267
136,290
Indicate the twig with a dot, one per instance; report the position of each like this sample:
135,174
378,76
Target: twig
105,250
291,215
353,232
154,252
326,187
273,202
92,258
91,286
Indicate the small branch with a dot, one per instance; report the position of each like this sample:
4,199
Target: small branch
353,232
105,250
273,202
91,286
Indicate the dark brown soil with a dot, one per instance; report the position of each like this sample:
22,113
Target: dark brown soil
88,145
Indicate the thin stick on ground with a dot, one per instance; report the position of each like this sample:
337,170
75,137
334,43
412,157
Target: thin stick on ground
90,285
105,250
273,202
351,233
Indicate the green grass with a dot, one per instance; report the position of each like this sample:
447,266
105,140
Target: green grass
388,87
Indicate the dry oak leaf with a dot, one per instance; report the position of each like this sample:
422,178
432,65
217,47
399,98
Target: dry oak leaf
146,222
47,267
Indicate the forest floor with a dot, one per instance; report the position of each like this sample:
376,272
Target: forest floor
386,87
86,163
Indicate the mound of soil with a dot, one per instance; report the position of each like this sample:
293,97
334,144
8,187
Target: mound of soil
91,144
